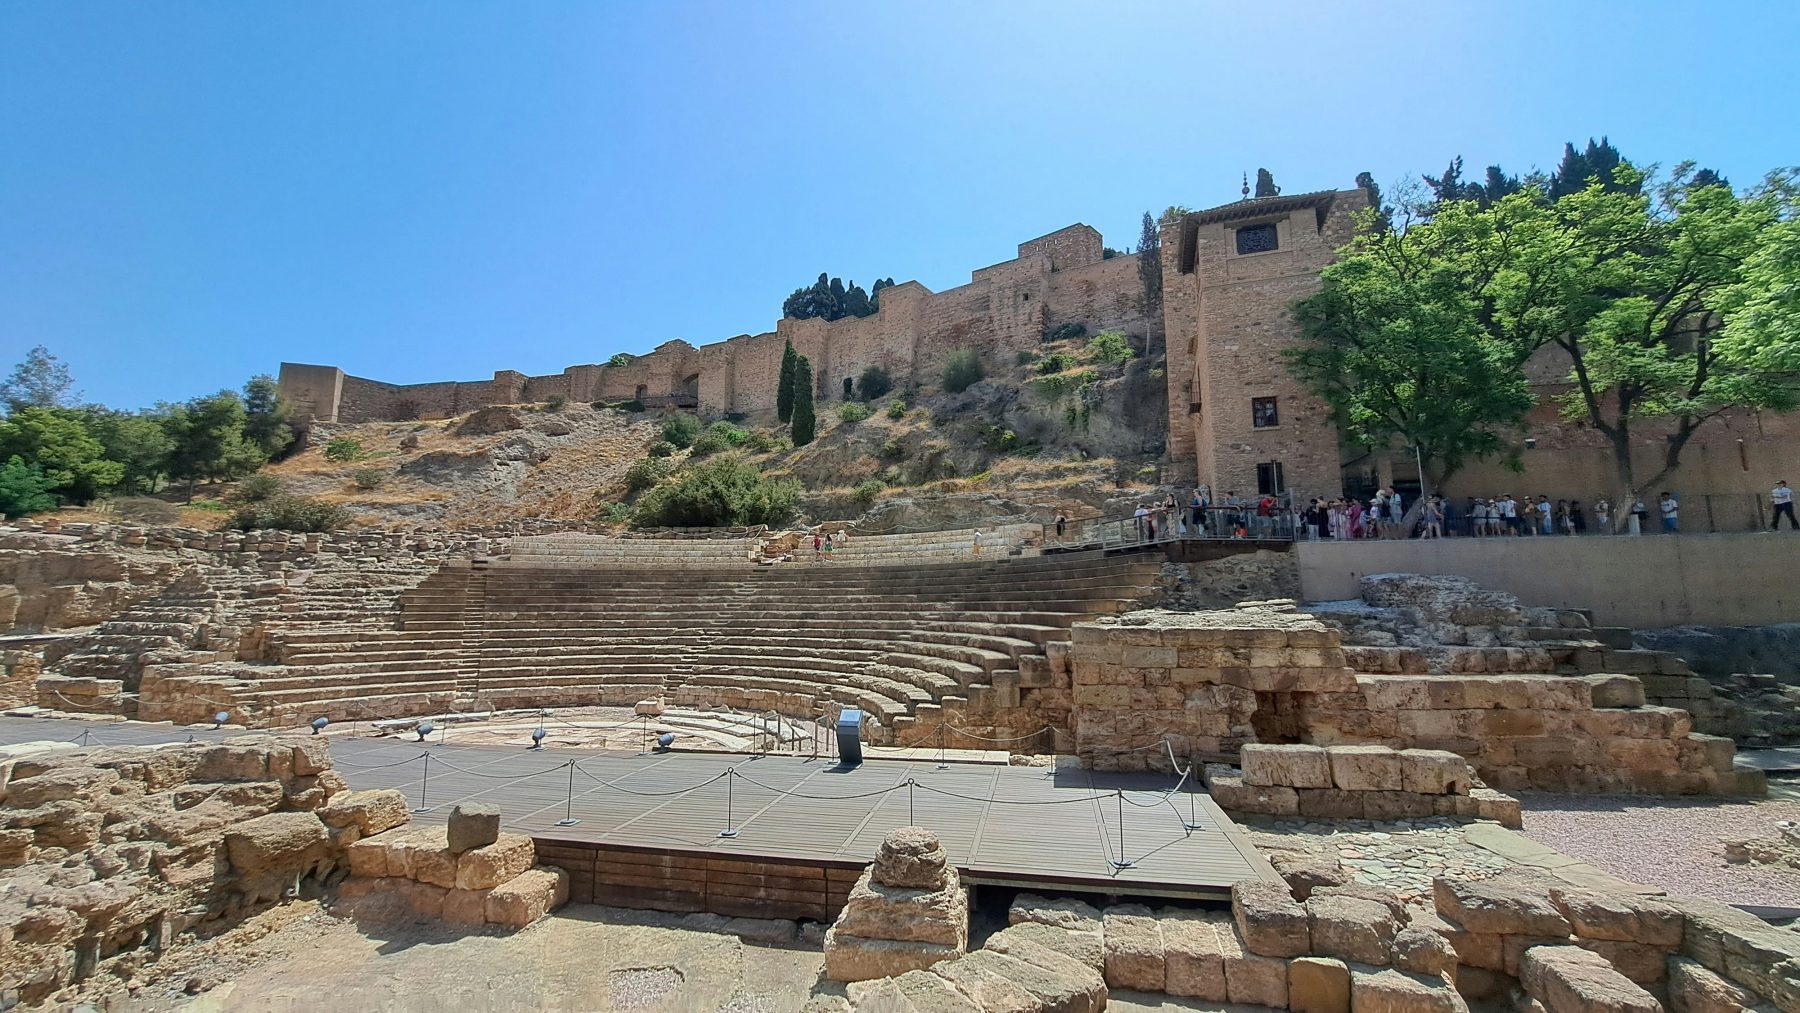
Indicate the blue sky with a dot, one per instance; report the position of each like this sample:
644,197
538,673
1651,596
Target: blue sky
192,192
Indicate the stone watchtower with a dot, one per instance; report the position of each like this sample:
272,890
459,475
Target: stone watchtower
1237,419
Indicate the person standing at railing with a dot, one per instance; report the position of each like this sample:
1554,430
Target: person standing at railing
1671,513
1783,498
1061,524
1603,516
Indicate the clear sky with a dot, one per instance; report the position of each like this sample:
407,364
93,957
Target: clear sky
192,192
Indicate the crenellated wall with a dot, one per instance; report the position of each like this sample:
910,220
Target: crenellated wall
1063,277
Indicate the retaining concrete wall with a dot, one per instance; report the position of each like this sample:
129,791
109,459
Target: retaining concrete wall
1646,582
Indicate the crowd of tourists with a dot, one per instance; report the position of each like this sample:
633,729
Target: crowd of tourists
1385,515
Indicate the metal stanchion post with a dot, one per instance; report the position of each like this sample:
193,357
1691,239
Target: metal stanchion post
730,830
1193,821
1122,862
941,765
910,821
569,819
424,783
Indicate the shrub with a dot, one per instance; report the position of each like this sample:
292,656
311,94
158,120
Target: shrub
718,437
646,473
897,408
867,490
680,429
150,510
288,513
367,478
1055,362
851,413
632,407
763,441
621,359
211,506
1024,357
1064,332
555,403
343,449
1000,440
1061,385
721,492
873,383
661,448
615,513
257,487
892,450
962,371
1111,348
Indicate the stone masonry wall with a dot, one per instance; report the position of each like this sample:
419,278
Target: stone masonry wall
1003,309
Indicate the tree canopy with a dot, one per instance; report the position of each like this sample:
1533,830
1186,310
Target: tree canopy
41,381
1149,250
805,420
830,299
1265,184
1661,306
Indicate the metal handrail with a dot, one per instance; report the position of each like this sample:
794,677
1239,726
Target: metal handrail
1163,525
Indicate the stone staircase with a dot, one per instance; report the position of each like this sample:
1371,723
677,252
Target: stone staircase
899,642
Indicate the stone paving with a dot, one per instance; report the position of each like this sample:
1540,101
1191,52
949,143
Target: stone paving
1402,856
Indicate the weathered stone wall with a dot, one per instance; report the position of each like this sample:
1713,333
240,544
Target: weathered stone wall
1003,309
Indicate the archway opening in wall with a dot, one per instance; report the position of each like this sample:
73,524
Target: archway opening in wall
690,390
641,391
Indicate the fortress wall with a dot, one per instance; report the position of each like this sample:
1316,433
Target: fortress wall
1104,295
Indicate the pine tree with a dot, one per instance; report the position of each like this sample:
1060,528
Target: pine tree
805,422
1384,216
1265,184
267,415
1597,160
784,387
1708,177
41,381
1150,263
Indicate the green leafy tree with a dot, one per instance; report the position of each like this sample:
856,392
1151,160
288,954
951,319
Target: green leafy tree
137,442
805,421
1111,348
268,418
288,513
57,442
680,429
1149,251
1762,328
1265,184
23,489
784,387
830,299
962,371
873,383
725,491
343,450
41,381
621,359
207,437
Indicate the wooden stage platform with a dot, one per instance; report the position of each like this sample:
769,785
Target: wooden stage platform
647,830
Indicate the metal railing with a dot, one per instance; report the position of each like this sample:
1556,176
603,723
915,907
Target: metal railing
1180,524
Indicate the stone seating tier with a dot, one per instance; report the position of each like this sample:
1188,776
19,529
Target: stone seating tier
800,639
575,550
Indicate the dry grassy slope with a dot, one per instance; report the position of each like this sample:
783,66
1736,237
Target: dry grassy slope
461,472
944,463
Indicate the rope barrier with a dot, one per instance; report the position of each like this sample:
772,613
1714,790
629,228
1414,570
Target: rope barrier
502,777
336,764
648,794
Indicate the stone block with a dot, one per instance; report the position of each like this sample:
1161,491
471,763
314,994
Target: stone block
490,865
1423,951
988,986
1615,690
465,907
913,992
875,910
370,812
1269,920
1306,872
1085,947
1194,965
1258,981
1366,891
1503,905
851,957
1054,983
1292,766
1365,768
1134,948
1569,979
1694,989
472,825
527,897
1387,806
1619,916
1351,928
1318,985
1641,962
1330,804
1434,772
1061,912
1391,990
276,842
1497,806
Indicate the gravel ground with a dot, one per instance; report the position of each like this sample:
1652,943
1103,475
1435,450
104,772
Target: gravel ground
1672,843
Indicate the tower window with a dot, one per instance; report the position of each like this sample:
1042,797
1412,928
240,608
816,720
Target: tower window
1263,413
1269,479
1257,239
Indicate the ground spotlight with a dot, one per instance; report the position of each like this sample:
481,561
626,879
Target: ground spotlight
220,718
537,737
425,728
665,740
319,723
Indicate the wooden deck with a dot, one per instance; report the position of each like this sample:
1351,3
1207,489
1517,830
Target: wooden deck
1014,826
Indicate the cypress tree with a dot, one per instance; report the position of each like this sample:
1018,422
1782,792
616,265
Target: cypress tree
1265,184
1150,263
784,388
805,424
